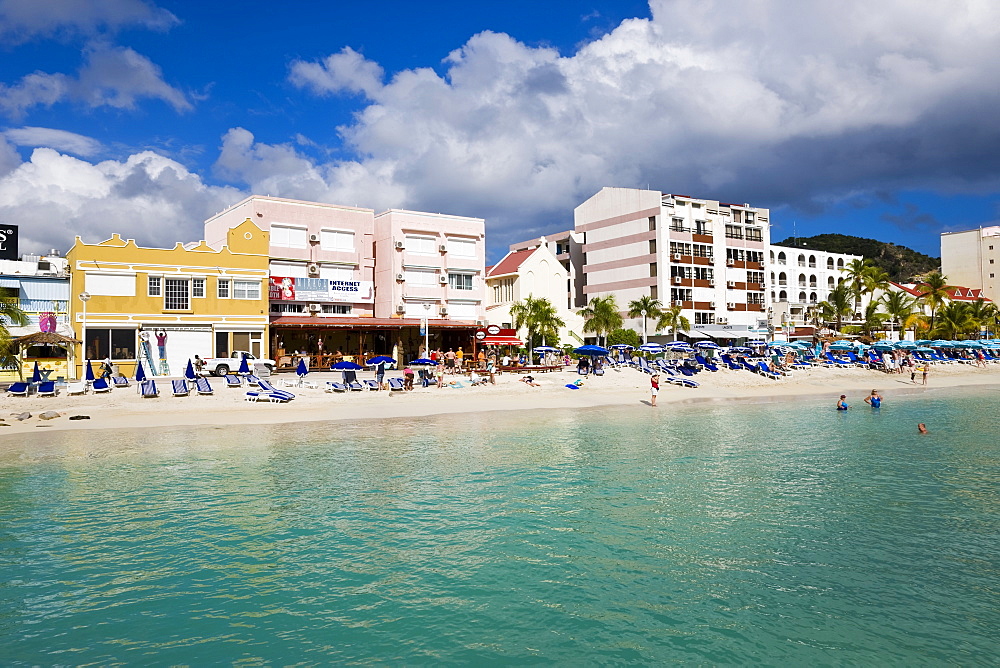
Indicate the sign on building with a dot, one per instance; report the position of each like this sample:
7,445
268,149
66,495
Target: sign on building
8,242
299,289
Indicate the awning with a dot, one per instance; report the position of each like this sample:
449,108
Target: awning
500,341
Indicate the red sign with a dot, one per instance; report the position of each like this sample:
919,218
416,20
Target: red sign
47,322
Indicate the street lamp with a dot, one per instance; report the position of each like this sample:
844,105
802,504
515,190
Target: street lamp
84,297
644,341
427,328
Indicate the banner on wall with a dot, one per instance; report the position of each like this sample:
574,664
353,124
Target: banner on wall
8,242
298,289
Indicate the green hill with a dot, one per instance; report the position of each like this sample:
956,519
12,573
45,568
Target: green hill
901,263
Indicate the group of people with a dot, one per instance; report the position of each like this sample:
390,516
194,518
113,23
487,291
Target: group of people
874,400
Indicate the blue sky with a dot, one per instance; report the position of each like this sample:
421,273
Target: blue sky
145,118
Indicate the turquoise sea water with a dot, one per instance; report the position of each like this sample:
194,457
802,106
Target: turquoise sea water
776,533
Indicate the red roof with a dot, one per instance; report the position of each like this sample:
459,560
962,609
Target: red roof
511,262
955,292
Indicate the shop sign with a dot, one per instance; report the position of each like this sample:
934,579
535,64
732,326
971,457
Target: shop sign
298,289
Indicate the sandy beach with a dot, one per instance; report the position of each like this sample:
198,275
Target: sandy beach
125,409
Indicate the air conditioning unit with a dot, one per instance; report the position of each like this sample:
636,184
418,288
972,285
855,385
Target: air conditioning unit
312,268
677,256
443,280
315,308
442,248
678,302
730,284
711,304
401,309
480,323
722,321
711,282
314,238
730,262
444,310
677,280
399,277
731,306
399,245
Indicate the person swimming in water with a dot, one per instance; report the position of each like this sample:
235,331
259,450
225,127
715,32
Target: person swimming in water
842,403
922,428
874,399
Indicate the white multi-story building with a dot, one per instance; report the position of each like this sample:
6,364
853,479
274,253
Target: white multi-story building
972,258
706,256
801,278
537,272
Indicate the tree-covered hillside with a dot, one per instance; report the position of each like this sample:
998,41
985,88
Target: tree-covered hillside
900,262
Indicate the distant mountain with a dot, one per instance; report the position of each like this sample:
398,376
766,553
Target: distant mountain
901,263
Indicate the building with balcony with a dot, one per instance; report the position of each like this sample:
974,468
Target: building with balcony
195,299
799,279
706,256
538,272
39,286
972,258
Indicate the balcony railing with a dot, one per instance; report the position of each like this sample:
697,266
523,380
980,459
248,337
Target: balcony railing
41,305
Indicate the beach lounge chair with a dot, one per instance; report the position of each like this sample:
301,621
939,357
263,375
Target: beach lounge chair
765,371
203,386
275,397
396,384
253,380
76,388
700,359
47,389
180,388
644,365
18,389
101,385
233,380
837,361
371,384
336,387
121,381
148,389
730,363
854,359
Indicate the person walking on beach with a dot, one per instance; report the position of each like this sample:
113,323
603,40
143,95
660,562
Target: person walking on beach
927,368
654,388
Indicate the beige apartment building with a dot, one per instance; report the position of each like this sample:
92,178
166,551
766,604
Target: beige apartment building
972,259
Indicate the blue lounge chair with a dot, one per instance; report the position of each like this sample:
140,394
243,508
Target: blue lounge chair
101,385
854,359
253,380
730,364
336,387
836,361
396,384
202,385
18,389
765,371
371,384
275,397
120,381
266,386
644,365
700,359
180,388
47,389
148,389
233,380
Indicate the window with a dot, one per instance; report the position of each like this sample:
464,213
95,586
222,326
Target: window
677,225
652,223
782,296
702,227
224,285
652,246
680,294
154,286
335,240
420,245
734,232
812,260
755,256
802,260
423,277
829,263
652,269
782,279
781,258
755,298
197,287
288,237
176,296
704,318
118,344
246,289
681,271
460,281
467,248
503,291
337,309
704,273
754,234
755,277
701,250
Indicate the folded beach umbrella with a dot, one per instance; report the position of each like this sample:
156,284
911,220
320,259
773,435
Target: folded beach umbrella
189,371
421,361
244,367
592,351
89,372
301,370
550,349
140,373
348,366
381,359
36,374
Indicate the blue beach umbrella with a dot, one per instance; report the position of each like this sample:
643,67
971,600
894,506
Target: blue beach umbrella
923,349
680,349
301,370
707,344
381,359
739,349
348,366
189,372
244,367
652,348
592,351
140,373
421,361
905,345
548,349
619,346
89,373
757,342
36,374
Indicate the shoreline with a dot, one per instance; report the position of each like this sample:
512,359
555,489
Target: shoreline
123,409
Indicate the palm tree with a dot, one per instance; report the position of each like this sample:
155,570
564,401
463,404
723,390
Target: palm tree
837,305
984,313
538,316
647,305
954,320
934,293
10,314
875,280
857,271
901,309
873,319
602,316
672,319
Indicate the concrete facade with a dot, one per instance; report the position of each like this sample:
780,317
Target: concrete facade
801,278
568,249
972,258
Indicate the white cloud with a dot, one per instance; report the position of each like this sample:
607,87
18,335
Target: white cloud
111,76
767,101
147,197
22,20
61,140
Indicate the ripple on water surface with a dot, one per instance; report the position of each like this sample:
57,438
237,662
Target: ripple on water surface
767,533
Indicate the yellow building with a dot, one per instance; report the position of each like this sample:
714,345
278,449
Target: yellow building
127,301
